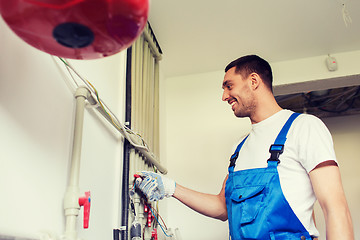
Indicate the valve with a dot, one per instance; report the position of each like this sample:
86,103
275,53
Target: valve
85,201
154,235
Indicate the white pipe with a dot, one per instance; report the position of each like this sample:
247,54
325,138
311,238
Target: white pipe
134,139
150,102
156,109
145,91
72,194
153,46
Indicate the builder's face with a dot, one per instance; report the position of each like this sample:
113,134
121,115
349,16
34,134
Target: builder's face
238,93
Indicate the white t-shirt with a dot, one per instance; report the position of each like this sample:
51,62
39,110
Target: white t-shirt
308,143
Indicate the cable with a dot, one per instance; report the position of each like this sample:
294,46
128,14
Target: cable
151,209
323,101
67,64
159,216
134,138
349,106
72,85
125,130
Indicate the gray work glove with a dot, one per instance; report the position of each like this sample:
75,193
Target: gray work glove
155,186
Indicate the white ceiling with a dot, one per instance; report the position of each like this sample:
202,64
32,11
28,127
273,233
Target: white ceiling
204,35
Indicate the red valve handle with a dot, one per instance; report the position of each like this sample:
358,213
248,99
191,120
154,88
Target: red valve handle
154,235
85,201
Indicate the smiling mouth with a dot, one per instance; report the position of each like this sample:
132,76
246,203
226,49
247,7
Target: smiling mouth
232,103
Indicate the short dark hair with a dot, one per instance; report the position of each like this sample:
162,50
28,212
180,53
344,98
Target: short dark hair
251,63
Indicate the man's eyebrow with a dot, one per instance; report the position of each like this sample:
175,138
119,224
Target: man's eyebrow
226,82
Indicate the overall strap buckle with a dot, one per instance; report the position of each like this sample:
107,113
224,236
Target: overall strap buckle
233,159
278,147
236,153
275,151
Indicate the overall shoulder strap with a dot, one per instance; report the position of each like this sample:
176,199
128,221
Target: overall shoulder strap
278,147
275,149
236,154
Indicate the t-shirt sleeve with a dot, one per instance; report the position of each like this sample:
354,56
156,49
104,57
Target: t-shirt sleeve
315,142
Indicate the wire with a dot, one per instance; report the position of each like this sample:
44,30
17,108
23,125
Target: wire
68,65
157,213
151,209
322,102
125,130
143,233
349,106
67,68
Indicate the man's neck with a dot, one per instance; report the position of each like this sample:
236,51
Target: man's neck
264,111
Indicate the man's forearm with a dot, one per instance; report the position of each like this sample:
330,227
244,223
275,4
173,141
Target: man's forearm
207,204
339,224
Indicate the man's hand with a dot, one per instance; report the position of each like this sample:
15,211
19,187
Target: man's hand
155,186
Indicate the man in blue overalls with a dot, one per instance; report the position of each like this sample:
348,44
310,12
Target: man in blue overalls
277,171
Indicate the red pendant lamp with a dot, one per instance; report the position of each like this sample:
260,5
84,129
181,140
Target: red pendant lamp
77,29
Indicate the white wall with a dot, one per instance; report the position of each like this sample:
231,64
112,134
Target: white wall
314,68
36,125
346,135
200,134
201,130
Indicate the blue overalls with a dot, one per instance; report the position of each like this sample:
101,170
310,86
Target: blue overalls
257,208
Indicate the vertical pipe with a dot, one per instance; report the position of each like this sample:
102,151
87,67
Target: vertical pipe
138,99
148,102
127,147
137,82
116,234
125,189
141,78
134,114
134,96
151,104
140,85
81,95
144,90
147,78
72,194
156,149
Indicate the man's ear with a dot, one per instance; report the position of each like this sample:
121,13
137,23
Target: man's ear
255,80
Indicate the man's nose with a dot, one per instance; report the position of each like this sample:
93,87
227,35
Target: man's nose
225,96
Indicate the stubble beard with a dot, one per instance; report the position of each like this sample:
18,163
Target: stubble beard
247,109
